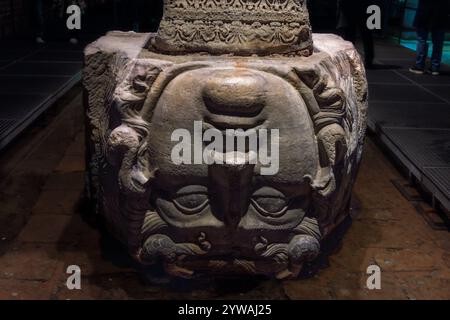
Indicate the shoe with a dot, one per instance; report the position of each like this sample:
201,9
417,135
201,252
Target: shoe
416,70
435,72
39,40
73,41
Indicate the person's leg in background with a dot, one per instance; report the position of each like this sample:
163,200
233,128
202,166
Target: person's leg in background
438,37
341,19
74,34
39,20
369,50
136,4
350,31
386,15
422,51
366,34
347,23
116,13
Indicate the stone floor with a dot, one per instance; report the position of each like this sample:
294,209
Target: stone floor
386,230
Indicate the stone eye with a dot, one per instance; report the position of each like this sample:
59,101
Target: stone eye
191,200
270,202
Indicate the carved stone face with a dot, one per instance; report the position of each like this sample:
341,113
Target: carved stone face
197,215
240,65
229,217
233,205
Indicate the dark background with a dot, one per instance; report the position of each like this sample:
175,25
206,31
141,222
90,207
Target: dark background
16,17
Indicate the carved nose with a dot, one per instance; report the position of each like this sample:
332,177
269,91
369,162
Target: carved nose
235,92
231,188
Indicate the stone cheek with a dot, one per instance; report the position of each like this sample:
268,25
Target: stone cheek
241,27
224,218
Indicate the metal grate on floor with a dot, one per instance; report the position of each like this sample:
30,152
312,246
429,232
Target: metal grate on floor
440,177
5,126
412,115
423,147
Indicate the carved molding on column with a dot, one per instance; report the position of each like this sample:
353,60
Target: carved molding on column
241,27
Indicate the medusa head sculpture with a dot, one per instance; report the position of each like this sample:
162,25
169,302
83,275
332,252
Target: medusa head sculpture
302,107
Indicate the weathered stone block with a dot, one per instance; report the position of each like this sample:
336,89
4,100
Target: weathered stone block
235,216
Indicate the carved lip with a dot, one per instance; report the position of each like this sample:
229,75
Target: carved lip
222,122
